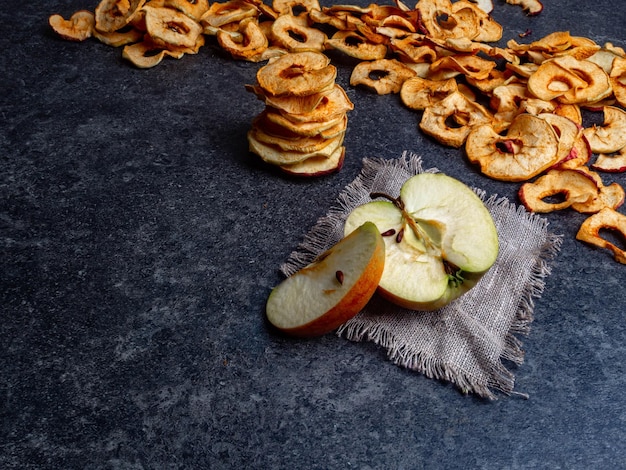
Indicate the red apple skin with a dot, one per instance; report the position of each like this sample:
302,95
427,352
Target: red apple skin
352,303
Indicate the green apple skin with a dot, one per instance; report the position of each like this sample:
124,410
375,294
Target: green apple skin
448,241
317,299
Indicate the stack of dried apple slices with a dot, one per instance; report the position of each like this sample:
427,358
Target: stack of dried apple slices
302,128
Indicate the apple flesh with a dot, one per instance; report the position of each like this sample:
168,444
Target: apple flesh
440,239
334,288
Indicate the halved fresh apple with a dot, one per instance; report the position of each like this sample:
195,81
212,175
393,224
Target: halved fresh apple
334,288
440,239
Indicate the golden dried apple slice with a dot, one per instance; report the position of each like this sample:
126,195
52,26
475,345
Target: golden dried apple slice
611,196
529,147
384,76
450,120
301,128
333,105
531,7
78,27
297,74
611,163
354,44
286,103
419,93
294,34
287,7
168,27
557,190
551,81
232,11
611,136
618,80
112,15
192,8
317,166
597,83
146,54
607,219
121,37
252,43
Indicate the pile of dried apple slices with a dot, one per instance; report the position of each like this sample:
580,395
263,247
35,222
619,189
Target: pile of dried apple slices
420,251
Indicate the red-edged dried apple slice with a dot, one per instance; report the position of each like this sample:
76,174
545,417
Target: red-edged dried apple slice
607,219
328,292
611,136
529,147
557,190
611,163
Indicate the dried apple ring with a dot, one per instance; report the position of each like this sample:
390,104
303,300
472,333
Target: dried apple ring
301,128
618,80
529,147
550,81
79,27
287,7
354,44
121,37
570,186
611,163
252,42
597,83
298,74
168,27
232,11
112,15
192,8
333,104
611,136
317,166
608,219
146,54
384,75
294,34
419,93
450,120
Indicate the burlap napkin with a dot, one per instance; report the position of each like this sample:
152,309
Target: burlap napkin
467,341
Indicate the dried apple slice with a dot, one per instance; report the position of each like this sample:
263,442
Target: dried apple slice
611,196
551,80
121,37
611,163
354,44
168,27
252,43
567,132
384,76
192,8
420,93
146,54
294,34
297,74
597,83
232,11
112,15
607,219
529,147
450,120
78,27
317,166
531,7
618,80
333,105
611,136
564,187
328,292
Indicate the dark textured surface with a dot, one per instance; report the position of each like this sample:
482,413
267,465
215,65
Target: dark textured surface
139,241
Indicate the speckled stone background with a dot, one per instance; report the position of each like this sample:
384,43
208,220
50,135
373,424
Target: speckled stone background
139,241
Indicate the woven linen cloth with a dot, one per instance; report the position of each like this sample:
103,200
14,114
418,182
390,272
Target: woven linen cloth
467,341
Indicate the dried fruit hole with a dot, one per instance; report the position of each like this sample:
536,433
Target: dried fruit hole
377,74
613,236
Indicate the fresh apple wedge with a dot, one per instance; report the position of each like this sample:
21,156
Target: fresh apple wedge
440,239
331,290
